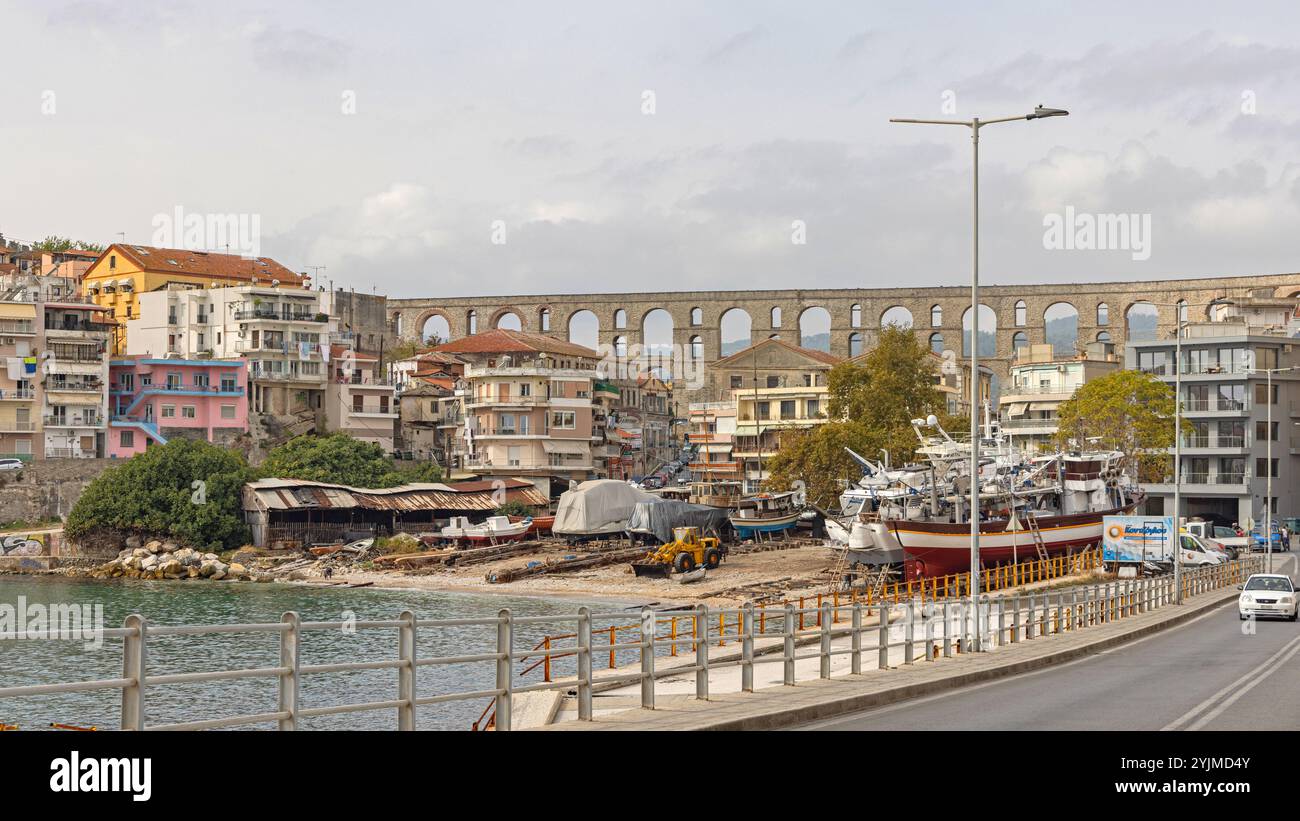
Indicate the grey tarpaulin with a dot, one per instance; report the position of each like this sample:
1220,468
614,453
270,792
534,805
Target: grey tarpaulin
662,515
596,507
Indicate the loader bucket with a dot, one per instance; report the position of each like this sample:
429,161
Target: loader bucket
652,569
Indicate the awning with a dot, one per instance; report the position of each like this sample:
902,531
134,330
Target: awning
567,448
715,448
1017,408
1044,406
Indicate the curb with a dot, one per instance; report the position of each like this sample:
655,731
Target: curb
795,716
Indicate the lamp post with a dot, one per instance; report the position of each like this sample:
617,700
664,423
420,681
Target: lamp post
1268,460
975,124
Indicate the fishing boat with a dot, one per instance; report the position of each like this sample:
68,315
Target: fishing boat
495,530
1028,507
541,524
766,513
723,493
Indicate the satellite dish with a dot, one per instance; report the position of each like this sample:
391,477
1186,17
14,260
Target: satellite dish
932,420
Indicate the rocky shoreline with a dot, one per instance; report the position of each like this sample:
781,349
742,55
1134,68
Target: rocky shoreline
158,559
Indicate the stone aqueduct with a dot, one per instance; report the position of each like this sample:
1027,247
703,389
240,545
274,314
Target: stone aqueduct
867,305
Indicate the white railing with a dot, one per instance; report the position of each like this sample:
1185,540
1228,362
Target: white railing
934,629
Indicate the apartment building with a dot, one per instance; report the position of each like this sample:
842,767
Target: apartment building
776,387
19,413
1040,381
281,332
1226,424
430,420
72,379
155,400
527,407
711,431
123,273
359,401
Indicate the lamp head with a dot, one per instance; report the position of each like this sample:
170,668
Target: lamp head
1040,112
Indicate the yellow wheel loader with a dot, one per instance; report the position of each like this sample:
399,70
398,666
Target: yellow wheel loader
687,552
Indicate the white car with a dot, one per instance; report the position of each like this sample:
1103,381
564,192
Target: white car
11,464
1267,594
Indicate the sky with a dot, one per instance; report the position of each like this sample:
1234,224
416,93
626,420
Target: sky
446,149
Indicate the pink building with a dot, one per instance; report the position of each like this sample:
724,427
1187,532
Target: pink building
153,400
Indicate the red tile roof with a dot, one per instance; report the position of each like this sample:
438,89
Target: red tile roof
502,340
820,356
198,263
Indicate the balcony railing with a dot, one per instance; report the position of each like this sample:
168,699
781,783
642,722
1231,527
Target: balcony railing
1215,404
1020,424
20,326
74,421
14,393
16,427
282,316
311,348
74,387
1212,479
82,325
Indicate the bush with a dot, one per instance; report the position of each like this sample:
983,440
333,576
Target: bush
188,490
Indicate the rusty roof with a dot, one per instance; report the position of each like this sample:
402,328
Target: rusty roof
297,494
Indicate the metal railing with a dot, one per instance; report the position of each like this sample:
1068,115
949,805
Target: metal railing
1215,404
934,630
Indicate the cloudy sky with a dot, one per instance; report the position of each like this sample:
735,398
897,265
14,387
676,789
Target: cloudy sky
657,146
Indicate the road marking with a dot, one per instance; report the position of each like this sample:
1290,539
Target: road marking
1241,687
890,708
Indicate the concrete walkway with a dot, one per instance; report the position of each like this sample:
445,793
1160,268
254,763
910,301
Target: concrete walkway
780,706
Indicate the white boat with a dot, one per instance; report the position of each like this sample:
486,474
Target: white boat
495,530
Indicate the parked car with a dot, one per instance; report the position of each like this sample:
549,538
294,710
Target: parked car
1196,551
11,464
1267,594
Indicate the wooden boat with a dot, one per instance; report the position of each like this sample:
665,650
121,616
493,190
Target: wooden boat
765,513
691,576
497,529
541,524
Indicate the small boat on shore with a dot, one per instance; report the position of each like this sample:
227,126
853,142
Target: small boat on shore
690,576
765,513
541,524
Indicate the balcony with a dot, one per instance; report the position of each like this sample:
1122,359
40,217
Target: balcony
508,399
16,426
1215,405
16,395
261,375
17,327
79,326
280,316
74,421
74,387
263,346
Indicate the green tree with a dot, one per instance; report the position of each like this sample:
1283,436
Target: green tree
870,407
514,507
186,489
411,474
1128,411
338,459
55,244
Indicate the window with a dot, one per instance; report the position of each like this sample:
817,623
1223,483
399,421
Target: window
127,381
168,411
764,410
736,380
1262,468
814,408
187,411
787,408
1262,432
773,381
229,384
227,411
525,389
1266,358
564,420
128,439
200,380
1262,395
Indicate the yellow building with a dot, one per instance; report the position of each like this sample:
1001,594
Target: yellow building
125,270
18,412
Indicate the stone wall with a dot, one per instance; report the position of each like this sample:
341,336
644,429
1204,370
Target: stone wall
46,489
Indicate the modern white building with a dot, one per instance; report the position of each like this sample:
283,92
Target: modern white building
1040,382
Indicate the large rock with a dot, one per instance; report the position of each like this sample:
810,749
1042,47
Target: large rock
237,570
153,546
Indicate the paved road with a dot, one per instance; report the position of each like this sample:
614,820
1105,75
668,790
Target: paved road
1204,675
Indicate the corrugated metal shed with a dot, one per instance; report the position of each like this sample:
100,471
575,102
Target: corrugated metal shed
297,494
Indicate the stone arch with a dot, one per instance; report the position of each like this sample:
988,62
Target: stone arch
1021,313
855,316
620,346
471,322
1019,340
1103,336
1061,327
988,330
395,322
1141,319
937,344
855,344
508,320
735,329
657,334
936,316
697,317
1103,313
544,319
584,328
620,319
433,322
815,328
697,348
775,316
896,315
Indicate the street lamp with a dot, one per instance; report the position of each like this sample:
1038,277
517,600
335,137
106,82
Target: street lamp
975,125
1268,472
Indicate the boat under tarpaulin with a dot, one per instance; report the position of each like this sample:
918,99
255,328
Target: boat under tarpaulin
659,517
597,507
